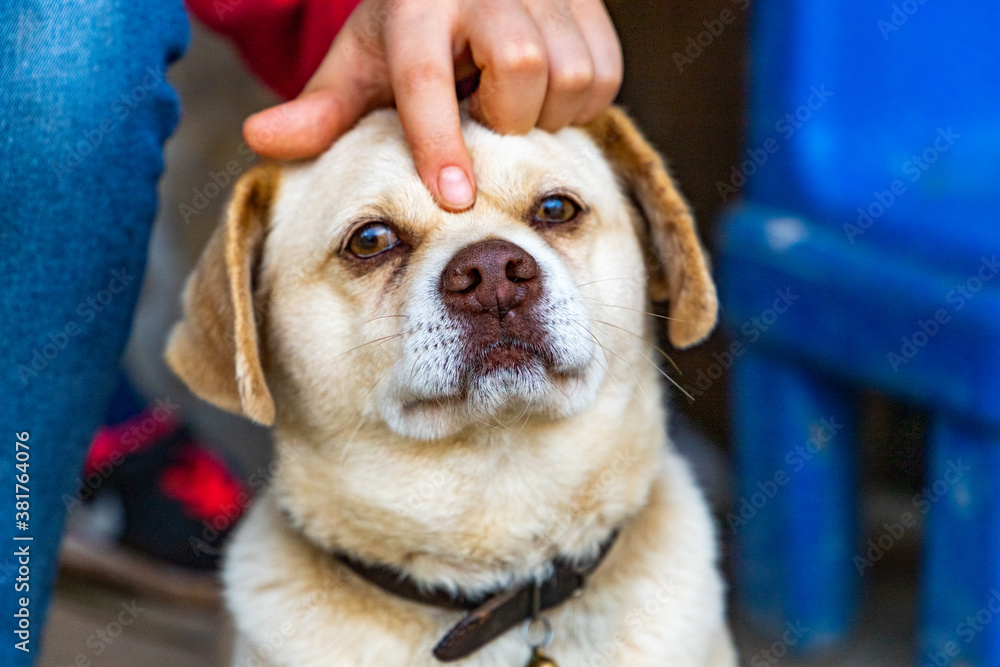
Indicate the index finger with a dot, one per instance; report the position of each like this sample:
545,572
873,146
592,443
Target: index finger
421,68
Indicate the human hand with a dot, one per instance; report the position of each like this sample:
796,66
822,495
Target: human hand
544,63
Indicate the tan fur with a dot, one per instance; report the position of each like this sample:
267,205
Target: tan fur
687,283
456,494
215,348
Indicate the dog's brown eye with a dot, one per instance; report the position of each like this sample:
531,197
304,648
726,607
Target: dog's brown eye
372,239
556,209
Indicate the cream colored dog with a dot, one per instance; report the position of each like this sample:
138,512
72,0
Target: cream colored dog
460,398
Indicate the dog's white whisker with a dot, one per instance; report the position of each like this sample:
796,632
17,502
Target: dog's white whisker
655,347
627,363
637,310
524,415
413,368
383,317
380,378
377,340
651,362
664,374
560,390
483,422
607,368
607,360
604,280
358,414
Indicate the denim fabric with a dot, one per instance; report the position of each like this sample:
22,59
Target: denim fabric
84,111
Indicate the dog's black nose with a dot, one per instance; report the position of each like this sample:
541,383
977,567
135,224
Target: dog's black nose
490,276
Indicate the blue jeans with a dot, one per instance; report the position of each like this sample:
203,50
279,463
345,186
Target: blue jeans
84,111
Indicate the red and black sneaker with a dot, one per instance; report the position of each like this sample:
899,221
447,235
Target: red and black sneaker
178,499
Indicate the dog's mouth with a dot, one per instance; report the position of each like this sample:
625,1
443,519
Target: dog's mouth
525,364
508,365
507,353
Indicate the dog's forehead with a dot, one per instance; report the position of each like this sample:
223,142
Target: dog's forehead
369,173
373,164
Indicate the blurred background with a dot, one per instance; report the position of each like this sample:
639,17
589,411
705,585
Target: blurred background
842,164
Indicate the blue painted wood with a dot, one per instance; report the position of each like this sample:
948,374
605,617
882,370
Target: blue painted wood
961,570
868,253
886,95
845,310
923,333
795,521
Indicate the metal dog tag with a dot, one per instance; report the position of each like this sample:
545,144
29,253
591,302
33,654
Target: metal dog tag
539,659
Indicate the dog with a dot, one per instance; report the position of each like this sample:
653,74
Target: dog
467,409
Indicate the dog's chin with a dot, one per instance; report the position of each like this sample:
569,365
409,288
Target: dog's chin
503,387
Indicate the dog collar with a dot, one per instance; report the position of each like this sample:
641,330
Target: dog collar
490,614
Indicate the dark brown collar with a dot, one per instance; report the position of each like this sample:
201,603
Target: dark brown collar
490,614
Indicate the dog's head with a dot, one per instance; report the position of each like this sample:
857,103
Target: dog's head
337,293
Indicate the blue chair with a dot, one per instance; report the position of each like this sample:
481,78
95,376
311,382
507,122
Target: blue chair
865,254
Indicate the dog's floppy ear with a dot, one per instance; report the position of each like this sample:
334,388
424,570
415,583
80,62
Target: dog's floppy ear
215,347
681,273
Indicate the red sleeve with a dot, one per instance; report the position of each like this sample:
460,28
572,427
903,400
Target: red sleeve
282,41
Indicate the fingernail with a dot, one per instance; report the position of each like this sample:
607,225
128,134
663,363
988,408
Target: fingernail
455,187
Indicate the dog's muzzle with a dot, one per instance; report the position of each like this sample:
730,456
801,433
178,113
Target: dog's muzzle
493,289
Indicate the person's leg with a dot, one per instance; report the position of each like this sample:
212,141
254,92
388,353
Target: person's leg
84,111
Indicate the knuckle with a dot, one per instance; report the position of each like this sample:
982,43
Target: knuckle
607,83
560,12
520,57
421,75
576,78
